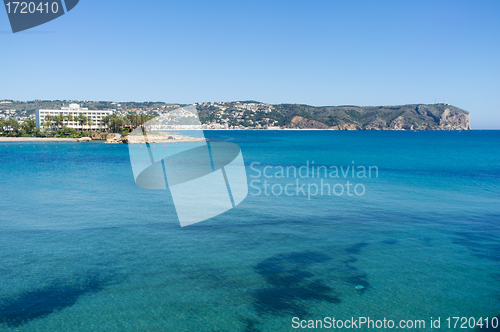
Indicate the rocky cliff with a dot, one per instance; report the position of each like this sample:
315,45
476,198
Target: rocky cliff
405,117
303,123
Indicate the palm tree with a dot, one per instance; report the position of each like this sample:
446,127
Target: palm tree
113,122
68,119
144,119
107,121
59,119
48,121
128,120
2,124
90,123
29,125
82,120
46,124
13,124
118,124
133,119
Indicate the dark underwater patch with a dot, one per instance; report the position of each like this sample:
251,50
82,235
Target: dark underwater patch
351,274
481,245
291,300
251,325
390,242
426,240
42,302
356,249
290,286
480,235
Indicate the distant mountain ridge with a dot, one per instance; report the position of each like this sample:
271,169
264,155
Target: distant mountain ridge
296,116
257,115
404,117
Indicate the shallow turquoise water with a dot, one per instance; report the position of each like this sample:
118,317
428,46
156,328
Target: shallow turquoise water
83,248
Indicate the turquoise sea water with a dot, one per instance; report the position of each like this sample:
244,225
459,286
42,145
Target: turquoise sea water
82,248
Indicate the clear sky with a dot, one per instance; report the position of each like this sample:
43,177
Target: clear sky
312,52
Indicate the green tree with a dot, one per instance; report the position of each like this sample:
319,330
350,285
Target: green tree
82,120
113,122
14,125
51,120
68,118
46,124
48,120
2,124
90,123
59,120
117,124
129,120
29,126
107,121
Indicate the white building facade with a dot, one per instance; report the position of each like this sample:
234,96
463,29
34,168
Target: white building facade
75,110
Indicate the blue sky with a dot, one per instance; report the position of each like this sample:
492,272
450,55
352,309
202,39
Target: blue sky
311,52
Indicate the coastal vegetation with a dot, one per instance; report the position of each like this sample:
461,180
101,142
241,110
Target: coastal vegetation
17,117
57,126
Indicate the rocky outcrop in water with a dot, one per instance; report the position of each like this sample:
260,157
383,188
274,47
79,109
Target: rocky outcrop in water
150,138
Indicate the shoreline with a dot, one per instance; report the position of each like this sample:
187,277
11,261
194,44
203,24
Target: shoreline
64,139
36,139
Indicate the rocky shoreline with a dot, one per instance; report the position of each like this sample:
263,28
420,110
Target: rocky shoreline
422,118
133,139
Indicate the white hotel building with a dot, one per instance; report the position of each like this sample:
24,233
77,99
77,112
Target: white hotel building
75,110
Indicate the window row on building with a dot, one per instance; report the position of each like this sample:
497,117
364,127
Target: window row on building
75,110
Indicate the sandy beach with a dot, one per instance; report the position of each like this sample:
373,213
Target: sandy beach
121,140
36,139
